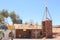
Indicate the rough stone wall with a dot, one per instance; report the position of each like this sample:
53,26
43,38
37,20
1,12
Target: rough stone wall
43,29
48,25
47,28
22,34
29,33
35,33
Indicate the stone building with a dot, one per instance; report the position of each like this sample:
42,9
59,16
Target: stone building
28,31
34,31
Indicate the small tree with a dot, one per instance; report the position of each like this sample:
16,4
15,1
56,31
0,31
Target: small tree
1,18
5,13
2,23
14,17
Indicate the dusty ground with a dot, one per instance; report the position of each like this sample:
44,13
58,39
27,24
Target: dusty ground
57,38
36,39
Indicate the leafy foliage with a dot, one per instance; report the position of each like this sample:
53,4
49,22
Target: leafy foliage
12,14
5,13
14,17
1,18
1,32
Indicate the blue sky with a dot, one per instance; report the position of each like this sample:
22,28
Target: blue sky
33,9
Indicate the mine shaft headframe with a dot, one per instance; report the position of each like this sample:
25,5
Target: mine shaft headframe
47,13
